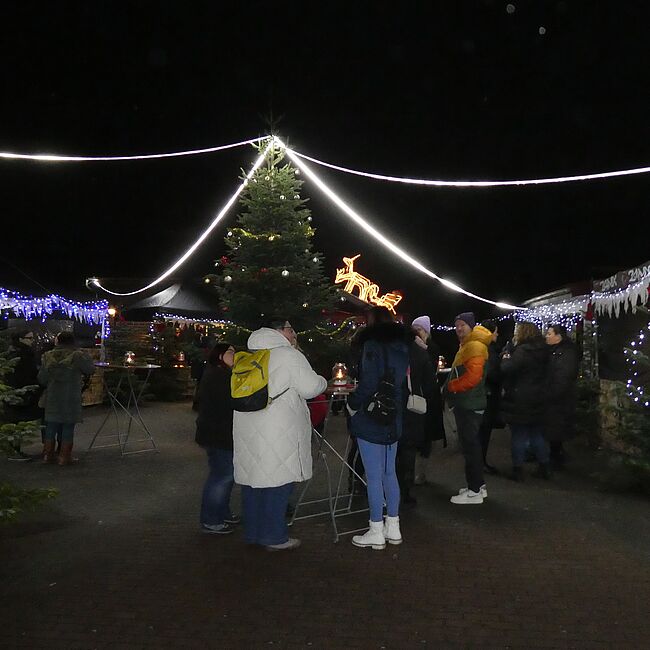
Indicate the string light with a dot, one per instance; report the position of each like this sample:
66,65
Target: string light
633,355
175,154
381,238
28,307
187,319
260,159
441,183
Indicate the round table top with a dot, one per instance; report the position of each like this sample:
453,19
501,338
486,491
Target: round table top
126,366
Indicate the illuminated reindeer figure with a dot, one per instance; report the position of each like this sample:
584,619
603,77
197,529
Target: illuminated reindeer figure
388,300
368,291
353,278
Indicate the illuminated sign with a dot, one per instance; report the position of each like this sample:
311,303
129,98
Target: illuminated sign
368,291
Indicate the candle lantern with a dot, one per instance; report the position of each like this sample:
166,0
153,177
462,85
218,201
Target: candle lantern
442,363
340,374
129,358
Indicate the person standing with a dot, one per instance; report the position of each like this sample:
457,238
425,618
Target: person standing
560,408
382,377
523,404
421,377
465,391
434,428
272,447
25,374
62,372
214,434
491,419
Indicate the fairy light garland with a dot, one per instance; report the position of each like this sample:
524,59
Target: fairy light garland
634,356
29,308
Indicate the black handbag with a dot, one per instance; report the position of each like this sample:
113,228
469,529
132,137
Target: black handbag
382,407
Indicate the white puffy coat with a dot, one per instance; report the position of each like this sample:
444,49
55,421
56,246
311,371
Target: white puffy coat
272,447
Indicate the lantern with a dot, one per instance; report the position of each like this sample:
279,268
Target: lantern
129,358
339,374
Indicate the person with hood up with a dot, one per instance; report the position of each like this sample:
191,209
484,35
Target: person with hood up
523,403
383,366
560,391
465,393
62,372
272,447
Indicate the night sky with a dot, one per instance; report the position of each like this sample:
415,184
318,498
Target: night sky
463,90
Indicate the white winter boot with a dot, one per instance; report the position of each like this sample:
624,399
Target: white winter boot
391,530
374,537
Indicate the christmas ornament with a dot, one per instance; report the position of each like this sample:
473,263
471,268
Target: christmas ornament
227,278
285,273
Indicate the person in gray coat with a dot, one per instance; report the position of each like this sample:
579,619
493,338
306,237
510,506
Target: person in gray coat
62,372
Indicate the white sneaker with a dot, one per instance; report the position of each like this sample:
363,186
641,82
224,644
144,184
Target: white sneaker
392,533
467,498
291,543
374,537
483,491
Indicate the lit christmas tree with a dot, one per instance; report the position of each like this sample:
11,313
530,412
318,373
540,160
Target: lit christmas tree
271,268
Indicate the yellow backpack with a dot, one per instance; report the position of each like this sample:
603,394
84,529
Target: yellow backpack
249,382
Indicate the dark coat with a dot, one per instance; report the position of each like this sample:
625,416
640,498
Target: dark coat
435,428
414,431
393,340
214,422
561,391
63,372
493,387
524,383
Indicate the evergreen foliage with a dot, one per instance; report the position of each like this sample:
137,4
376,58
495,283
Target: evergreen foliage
271,267
14,500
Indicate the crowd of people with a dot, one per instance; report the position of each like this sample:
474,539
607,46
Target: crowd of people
393,416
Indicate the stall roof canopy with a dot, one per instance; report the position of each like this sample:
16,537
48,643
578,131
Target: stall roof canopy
181,299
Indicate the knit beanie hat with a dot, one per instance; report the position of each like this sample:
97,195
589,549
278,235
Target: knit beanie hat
467,317
424,322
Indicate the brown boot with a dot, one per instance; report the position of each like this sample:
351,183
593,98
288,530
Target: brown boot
65,455
48,452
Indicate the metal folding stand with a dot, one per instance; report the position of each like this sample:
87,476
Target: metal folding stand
339,504
131,409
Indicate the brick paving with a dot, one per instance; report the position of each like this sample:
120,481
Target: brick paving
116,561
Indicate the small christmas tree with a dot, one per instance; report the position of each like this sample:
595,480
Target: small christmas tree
14,500
271,268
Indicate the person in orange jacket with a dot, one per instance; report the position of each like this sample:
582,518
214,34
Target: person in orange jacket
465,394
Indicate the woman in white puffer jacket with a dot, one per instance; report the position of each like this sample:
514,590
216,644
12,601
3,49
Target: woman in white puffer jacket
272,447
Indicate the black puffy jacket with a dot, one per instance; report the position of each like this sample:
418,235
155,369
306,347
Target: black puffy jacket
524,382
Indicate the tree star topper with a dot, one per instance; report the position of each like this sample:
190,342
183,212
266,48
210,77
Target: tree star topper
368,291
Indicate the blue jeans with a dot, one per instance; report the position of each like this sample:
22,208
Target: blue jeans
379,463
522,435
215,504
264,513
61,429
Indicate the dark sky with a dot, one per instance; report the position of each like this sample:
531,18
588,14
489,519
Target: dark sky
463,90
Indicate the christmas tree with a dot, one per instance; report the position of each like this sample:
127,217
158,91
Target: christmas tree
271,268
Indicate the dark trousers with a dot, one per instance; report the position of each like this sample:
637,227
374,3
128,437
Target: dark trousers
468,424
264,514
484,435
405,466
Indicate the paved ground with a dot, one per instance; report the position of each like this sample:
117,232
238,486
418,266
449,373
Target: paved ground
116,561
